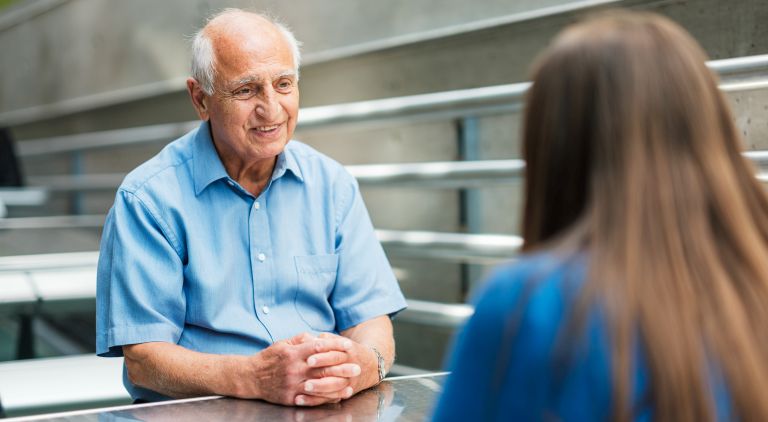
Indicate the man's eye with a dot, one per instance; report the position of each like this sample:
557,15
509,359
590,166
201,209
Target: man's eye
243,92
284,84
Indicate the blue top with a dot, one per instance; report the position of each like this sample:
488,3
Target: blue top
189,257
507,363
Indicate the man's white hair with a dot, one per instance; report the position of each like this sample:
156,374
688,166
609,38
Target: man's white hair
204,58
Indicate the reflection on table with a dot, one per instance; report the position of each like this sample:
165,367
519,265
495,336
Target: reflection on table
402,399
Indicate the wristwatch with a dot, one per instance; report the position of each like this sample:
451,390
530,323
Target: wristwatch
380,361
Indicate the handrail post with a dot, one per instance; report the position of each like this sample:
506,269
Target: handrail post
77,167
470,208
25,345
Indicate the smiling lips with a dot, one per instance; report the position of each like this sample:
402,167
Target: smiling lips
266,129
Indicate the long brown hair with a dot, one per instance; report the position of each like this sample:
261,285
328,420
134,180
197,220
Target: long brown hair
633,157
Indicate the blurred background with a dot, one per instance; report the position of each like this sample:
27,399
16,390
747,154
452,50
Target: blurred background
419,99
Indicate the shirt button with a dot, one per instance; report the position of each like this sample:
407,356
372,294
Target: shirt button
262,257
265,309
256,205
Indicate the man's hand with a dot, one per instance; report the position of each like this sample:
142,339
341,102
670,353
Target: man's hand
304,370
276,374
339,368
279,372
338,374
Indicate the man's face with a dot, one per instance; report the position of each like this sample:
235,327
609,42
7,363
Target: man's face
255,103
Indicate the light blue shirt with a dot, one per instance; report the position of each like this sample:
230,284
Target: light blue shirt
191,258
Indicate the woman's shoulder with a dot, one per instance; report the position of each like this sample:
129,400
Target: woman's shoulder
536,291
543,273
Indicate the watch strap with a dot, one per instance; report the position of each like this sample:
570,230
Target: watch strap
380,362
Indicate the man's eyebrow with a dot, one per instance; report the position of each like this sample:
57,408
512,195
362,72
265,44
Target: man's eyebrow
286,74
245,81
252,79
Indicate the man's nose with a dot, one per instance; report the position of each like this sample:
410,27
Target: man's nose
268,105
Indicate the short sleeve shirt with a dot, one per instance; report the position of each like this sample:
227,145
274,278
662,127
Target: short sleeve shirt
189,257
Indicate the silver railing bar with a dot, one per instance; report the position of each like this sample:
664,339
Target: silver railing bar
78,183
442,174
104,139
453,246
460,101
26,196
49,261
759,158
53,222
462,246
737,65
409,106
439,174
435,174
435,313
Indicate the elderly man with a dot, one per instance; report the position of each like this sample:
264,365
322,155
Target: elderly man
236,262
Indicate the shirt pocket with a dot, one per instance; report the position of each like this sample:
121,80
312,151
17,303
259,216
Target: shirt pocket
316,277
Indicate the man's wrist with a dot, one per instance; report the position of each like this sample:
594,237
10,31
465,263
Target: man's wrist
380,365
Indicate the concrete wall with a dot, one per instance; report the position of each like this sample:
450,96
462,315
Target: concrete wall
88,48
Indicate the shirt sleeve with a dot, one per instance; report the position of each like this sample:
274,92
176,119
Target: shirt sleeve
365,284
139,293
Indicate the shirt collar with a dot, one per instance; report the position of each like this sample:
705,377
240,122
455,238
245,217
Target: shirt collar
286,161
208,167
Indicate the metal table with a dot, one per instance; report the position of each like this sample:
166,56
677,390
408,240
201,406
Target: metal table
408,398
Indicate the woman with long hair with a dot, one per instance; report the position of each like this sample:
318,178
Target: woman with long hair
642,291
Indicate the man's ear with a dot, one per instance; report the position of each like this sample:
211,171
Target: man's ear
198,97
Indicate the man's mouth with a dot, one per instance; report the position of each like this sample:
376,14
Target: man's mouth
266,129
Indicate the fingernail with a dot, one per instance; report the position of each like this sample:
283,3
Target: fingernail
347,345
311,361
309,387
348,392
300,400
355,370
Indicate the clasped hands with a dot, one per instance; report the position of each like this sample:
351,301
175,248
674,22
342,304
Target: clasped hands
309,371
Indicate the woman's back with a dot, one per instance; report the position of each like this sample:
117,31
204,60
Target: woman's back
632,160
511,362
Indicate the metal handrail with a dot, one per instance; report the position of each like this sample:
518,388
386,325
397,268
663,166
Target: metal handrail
448,246
53,222
448,315
444,174
436,174
489,248
739,65
24,196
457,103
48,261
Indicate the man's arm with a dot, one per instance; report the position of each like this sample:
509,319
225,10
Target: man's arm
374,333
275,374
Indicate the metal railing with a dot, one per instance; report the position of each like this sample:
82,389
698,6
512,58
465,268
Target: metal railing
31,286
461,247
742,73
440,105
446,174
